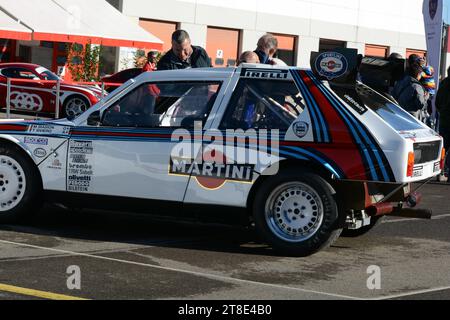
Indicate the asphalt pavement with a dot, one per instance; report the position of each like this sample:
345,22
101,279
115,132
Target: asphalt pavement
127,257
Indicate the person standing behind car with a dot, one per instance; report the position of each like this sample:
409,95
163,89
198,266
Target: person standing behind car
443,106
183,54
266,49
151,62
410,93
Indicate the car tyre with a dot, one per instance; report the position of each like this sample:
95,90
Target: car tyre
20,186
296,213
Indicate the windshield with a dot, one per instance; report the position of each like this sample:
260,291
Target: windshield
362,97
47,74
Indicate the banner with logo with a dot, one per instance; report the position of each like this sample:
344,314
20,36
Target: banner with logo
434,19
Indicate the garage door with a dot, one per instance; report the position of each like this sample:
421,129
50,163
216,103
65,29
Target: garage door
223,46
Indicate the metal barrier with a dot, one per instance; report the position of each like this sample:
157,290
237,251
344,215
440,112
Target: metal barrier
57,86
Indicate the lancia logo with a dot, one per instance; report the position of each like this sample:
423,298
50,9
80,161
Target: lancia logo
433,8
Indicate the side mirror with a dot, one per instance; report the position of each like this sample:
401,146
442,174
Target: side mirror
94,119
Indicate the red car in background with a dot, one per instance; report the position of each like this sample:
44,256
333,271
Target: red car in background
112,82
39,96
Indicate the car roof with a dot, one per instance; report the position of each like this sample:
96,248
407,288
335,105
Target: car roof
20,65
206,73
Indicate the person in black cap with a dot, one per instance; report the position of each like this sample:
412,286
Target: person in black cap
183,54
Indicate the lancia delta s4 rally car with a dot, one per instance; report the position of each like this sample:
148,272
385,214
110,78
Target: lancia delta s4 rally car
302,155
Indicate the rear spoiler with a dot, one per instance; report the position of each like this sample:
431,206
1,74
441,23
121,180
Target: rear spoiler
341,66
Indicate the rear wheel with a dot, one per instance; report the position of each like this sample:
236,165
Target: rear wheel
296,213
20,187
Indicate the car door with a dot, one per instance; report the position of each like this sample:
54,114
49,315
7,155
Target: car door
129,154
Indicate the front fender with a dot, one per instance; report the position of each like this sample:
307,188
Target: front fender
19,143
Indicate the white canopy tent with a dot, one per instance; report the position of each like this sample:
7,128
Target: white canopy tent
12,29
82,21
112,26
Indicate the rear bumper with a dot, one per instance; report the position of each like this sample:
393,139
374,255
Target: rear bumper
380,199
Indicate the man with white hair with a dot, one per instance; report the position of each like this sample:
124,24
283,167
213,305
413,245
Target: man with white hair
267,48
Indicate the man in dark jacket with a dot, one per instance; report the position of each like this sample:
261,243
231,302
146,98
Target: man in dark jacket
183,54
410,93
443,106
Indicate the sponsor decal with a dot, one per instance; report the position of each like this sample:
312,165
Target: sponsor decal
264,74
211,174
36,141
355,105
437,167
81,147
40,153
331,65
80,169
56,165
48,129
26,101
301,129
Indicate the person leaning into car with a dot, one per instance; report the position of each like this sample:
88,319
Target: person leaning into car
183,54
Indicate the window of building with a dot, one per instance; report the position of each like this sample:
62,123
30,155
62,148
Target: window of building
164,105
222,46
376,51
161,29
287,49
328,44
410,52
263,104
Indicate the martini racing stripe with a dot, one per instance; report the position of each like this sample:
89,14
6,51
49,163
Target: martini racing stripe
320,126
288,152
375,158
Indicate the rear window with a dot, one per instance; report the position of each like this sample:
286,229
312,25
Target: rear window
386,109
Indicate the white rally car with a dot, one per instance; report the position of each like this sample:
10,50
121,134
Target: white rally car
302,155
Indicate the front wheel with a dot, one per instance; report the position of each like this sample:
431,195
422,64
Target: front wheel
297,213
20,187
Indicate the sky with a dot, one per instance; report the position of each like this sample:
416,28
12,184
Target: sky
447,11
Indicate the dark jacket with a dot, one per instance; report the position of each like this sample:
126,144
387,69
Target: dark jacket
198,59
410,94
443,103
263,57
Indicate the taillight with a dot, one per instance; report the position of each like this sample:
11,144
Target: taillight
443,159
411,162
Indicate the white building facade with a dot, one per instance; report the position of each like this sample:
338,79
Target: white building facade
227,28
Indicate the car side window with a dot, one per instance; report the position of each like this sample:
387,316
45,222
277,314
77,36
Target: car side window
163,105
18,73
263,104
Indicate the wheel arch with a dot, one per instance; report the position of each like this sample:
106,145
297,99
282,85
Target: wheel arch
289,164
15,143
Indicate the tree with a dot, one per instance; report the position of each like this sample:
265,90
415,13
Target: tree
84,62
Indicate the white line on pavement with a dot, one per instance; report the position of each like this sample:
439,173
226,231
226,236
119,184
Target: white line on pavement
199,274
413,293
444,216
